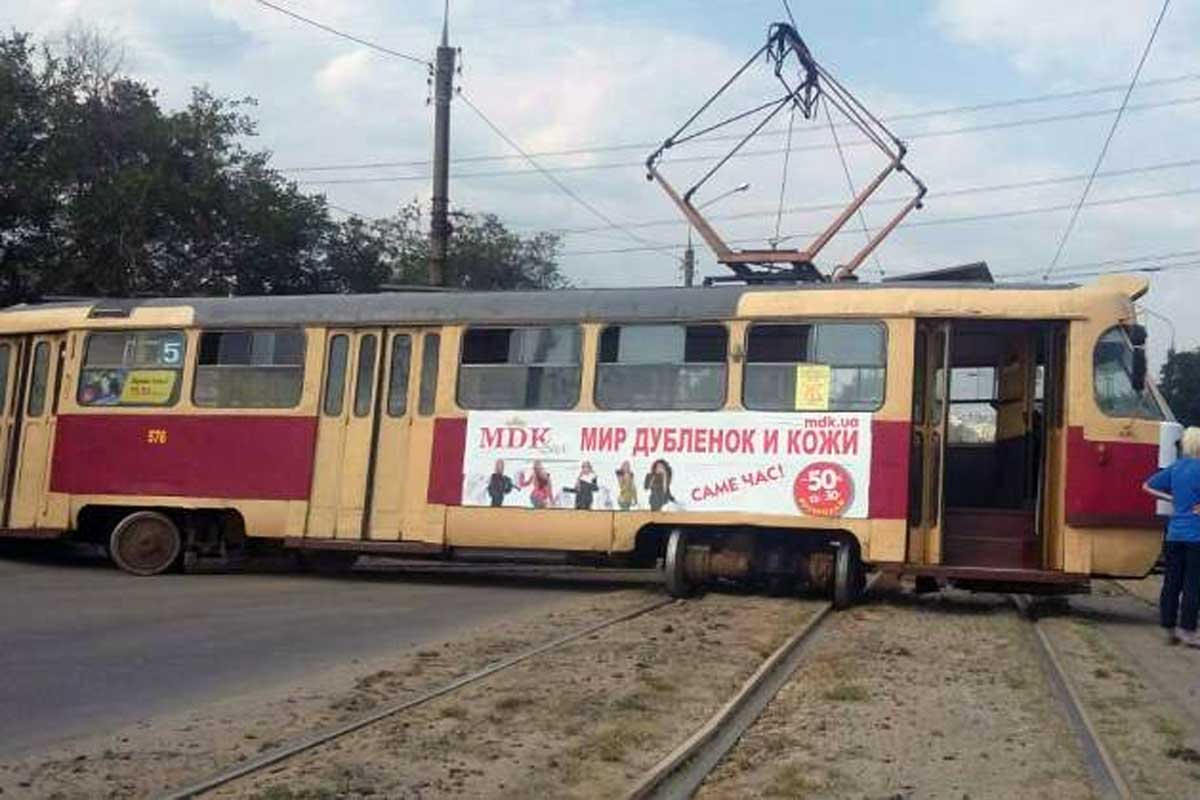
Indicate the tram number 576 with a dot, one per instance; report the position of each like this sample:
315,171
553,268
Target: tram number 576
156,436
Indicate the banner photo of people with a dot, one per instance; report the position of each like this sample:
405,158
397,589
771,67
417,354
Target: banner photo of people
812,464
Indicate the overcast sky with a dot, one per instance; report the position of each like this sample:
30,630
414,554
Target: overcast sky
589,76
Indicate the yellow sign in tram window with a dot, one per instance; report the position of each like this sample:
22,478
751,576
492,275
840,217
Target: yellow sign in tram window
812,387
151,387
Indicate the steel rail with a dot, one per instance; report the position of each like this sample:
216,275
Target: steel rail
681,772
305,743
1100,763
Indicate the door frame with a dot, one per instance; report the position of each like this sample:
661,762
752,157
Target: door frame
14,416
19,457
928,439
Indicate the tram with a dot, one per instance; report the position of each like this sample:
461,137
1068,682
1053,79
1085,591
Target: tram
979,434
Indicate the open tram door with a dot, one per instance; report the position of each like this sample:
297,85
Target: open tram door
986,445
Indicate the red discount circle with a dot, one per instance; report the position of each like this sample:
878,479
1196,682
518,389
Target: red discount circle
824,489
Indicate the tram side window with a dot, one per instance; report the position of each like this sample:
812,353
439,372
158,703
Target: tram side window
1112,372
364,381
250,369
335,375
974,398
398,387
38,380
520,368
855,352
132,368
430,353
646,367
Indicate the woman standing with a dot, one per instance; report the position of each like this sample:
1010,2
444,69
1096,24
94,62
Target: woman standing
1179,484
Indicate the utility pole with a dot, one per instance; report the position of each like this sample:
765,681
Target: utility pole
439,223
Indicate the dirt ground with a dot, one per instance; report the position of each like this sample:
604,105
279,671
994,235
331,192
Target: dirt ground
152,756
1140,693
912,697
582,721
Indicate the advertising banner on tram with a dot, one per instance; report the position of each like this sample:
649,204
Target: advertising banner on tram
814,464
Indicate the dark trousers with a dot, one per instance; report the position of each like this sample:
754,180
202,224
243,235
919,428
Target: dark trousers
1182,577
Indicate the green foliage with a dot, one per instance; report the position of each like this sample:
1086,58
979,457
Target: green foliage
102,192
1179,382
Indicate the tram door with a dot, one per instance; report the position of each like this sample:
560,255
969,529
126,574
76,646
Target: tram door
31,415
389,478
345,431
10,364
928,446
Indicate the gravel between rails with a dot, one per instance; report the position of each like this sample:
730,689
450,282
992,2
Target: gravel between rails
912,697
581,721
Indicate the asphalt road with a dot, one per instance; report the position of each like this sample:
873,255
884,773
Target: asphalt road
84,647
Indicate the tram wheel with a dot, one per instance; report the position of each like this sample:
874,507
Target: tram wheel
145,543
847,576
675,567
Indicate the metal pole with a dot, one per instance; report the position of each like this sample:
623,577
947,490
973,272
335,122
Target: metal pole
439,224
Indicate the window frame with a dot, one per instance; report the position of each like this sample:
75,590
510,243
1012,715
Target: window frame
993,402
302,365
462,345
885,346
1148,393
326,397
39,348
430,374
180,369
727,362
365,376
390,402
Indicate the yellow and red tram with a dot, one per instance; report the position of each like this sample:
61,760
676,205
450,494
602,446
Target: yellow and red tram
979,434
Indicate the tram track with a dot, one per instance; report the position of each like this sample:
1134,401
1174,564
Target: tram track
681,772
1100,762
303,744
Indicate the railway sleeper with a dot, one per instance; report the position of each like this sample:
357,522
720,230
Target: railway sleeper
779,562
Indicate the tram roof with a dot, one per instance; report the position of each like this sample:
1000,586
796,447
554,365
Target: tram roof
937,298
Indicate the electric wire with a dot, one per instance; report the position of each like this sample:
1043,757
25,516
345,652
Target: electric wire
1062,242
1007,214
550,176
349,36
770,151
591,150
944,193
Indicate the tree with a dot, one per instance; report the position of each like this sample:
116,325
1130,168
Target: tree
484,254
104,193
1179,382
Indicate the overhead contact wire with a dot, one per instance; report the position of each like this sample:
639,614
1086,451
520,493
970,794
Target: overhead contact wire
1062,242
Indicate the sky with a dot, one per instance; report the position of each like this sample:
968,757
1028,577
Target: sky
604,79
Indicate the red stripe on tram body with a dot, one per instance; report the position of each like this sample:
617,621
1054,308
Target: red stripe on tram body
1104,483
890,443
446,461
220,456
